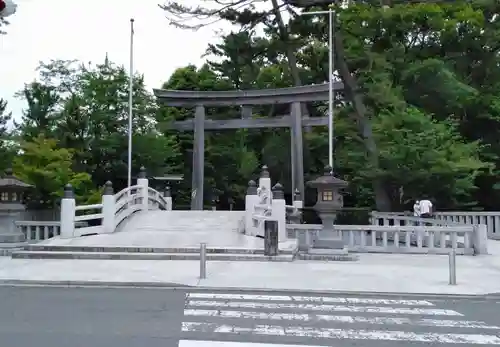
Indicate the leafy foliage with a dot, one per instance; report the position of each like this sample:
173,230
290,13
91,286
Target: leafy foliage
420,113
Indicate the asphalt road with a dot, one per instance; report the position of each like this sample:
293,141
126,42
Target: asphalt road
89,317
119,317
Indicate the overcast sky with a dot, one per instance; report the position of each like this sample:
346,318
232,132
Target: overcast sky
87,30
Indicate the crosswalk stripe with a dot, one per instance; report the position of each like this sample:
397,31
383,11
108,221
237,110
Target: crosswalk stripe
304,317
198,343
330,308
337,300
327,333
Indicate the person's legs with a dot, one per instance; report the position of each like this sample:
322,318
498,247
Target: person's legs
426,216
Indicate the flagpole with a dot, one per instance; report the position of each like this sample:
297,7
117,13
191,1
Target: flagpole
331,58
330,87
130,103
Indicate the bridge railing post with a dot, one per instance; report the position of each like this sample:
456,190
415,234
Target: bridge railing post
168,199
68,211
279,210
142,181
251,199
108,209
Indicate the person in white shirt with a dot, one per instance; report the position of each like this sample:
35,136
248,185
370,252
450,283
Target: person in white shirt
416,208
425,207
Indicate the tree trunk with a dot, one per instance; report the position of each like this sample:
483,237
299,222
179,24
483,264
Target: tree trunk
382,199
290,54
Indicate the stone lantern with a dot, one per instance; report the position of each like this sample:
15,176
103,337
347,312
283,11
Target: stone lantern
12,193
329,200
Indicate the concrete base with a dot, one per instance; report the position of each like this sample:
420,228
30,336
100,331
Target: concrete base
329,243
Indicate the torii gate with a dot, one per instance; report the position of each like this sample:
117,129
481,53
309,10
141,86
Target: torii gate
246,99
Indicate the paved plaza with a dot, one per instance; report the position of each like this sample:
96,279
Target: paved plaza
372,273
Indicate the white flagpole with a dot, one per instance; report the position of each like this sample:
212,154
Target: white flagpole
331,32
130,102
330,87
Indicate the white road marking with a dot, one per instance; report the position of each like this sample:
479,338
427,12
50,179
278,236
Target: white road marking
194,343
330,308
309,332
304,317
320,299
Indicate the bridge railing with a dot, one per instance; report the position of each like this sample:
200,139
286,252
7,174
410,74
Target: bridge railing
113,209
425,239
36,231
488,220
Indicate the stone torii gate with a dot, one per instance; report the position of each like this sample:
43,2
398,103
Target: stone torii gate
246,99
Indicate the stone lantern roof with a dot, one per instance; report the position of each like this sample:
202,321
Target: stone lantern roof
328,180
10,181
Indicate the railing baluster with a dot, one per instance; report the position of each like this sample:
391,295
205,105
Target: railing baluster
408,239
419,238
430,239
442,241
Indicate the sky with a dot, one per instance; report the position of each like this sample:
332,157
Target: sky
86,30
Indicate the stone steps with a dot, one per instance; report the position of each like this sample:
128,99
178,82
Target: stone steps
10,242
186,221
325,254
6,249
11,238
148,256
146,250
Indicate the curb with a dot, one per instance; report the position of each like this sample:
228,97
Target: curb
191,288
94,284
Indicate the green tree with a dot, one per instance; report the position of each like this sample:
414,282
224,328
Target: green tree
7,144
48,168
86,108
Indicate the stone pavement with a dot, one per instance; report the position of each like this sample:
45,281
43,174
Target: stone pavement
372,273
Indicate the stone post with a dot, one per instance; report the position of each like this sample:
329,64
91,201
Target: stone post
68,205
142,182
480,239
279,211
251,199
168,198
108,209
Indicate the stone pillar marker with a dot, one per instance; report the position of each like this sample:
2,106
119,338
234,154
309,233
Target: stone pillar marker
279,211
329,202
